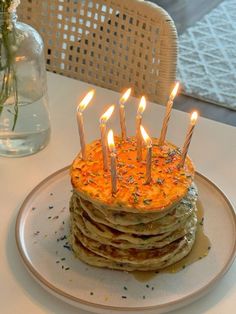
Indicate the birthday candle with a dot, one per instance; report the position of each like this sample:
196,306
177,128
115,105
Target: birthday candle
123,99
141,108
148,143
167,114
112,149
103,121
189,135
80,108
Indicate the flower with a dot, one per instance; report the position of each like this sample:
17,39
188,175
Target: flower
9,5
13,5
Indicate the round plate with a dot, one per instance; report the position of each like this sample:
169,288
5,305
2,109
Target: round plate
41,233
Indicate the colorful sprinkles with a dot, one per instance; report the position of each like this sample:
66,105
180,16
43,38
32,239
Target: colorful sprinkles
166,176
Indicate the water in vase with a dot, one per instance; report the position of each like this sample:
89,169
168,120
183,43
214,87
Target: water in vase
32,128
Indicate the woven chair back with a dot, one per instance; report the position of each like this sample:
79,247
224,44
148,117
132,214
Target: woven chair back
110,43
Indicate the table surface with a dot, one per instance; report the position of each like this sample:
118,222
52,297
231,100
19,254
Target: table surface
213,150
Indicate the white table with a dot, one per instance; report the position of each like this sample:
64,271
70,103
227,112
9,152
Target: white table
213,150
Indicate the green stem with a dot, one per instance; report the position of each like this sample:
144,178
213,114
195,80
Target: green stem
16,108
3,97
9,81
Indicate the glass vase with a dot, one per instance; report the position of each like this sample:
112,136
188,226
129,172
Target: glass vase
24,116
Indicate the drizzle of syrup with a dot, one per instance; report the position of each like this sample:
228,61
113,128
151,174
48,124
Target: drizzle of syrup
200,249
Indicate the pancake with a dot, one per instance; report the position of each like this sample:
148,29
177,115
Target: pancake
170,222
128,219
106,235
91,258
169,184
141,227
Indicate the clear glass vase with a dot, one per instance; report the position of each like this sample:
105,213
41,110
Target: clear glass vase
24,116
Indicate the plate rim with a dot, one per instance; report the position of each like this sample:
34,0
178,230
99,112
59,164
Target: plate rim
72,299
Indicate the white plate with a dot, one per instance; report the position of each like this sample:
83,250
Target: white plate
41,230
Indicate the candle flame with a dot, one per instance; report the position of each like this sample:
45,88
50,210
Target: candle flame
86,100
194,117
20,58
174,91
125,96
110,141
107,114
145,136
142,105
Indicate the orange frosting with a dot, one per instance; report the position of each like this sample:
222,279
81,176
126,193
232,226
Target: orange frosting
169,182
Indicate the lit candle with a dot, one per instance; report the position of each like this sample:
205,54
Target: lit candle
112,149
193,120
80,108
103,121
123,99
167,114
141,108
148,143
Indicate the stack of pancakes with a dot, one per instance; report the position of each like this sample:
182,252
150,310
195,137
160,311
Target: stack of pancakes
141,227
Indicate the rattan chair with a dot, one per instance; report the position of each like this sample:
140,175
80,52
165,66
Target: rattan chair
110,43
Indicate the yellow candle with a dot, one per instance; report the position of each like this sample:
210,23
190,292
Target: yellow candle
103,121
80,108
112,149
123,99
148,143
167,114
193,121
141,108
